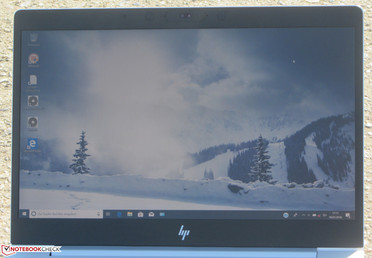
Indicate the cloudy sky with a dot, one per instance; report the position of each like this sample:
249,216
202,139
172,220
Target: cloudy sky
146,98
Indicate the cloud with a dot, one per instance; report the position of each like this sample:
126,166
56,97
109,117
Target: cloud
141,113
145,103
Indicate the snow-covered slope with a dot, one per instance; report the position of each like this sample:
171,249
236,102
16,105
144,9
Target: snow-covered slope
218,166
323,150
279,169
220,192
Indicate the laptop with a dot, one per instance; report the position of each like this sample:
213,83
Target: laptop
188,132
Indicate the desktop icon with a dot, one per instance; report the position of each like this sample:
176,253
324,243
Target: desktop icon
32,122
34,37
33,101
32,144
119,214
162,214
33,58
33,79
140,214
129,214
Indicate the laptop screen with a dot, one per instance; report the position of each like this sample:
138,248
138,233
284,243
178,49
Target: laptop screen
188,124
213,123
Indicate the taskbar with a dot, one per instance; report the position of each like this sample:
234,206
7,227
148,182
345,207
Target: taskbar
186,214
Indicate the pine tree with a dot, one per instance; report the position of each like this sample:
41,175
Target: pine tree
208,175
78,165
261,168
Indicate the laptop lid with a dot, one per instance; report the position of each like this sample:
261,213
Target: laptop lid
199,127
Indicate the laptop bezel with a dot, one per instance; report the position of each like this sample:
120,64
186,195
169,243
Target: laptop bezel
205,233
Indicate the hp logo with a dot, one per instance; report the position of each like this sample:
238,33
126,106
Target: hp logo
183,233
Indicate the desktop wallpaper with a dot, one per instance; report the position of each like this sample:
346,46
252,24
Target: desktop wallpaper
213,119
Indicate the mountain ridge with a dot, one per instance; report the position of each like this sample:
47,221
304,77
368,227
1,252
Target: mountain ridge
323,150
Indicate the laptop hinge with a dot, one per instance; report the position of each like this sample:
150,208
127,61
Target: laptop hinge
340,252
162,252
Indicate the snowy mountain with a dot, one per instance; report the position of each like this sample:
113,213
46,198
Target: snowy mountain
321,151
315,163
280,126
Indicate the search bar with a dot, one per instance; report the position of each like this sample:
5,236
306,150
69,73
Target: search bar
66,214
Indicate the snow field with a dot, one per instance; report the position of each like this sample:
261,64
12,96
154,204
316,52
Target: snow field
97,191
